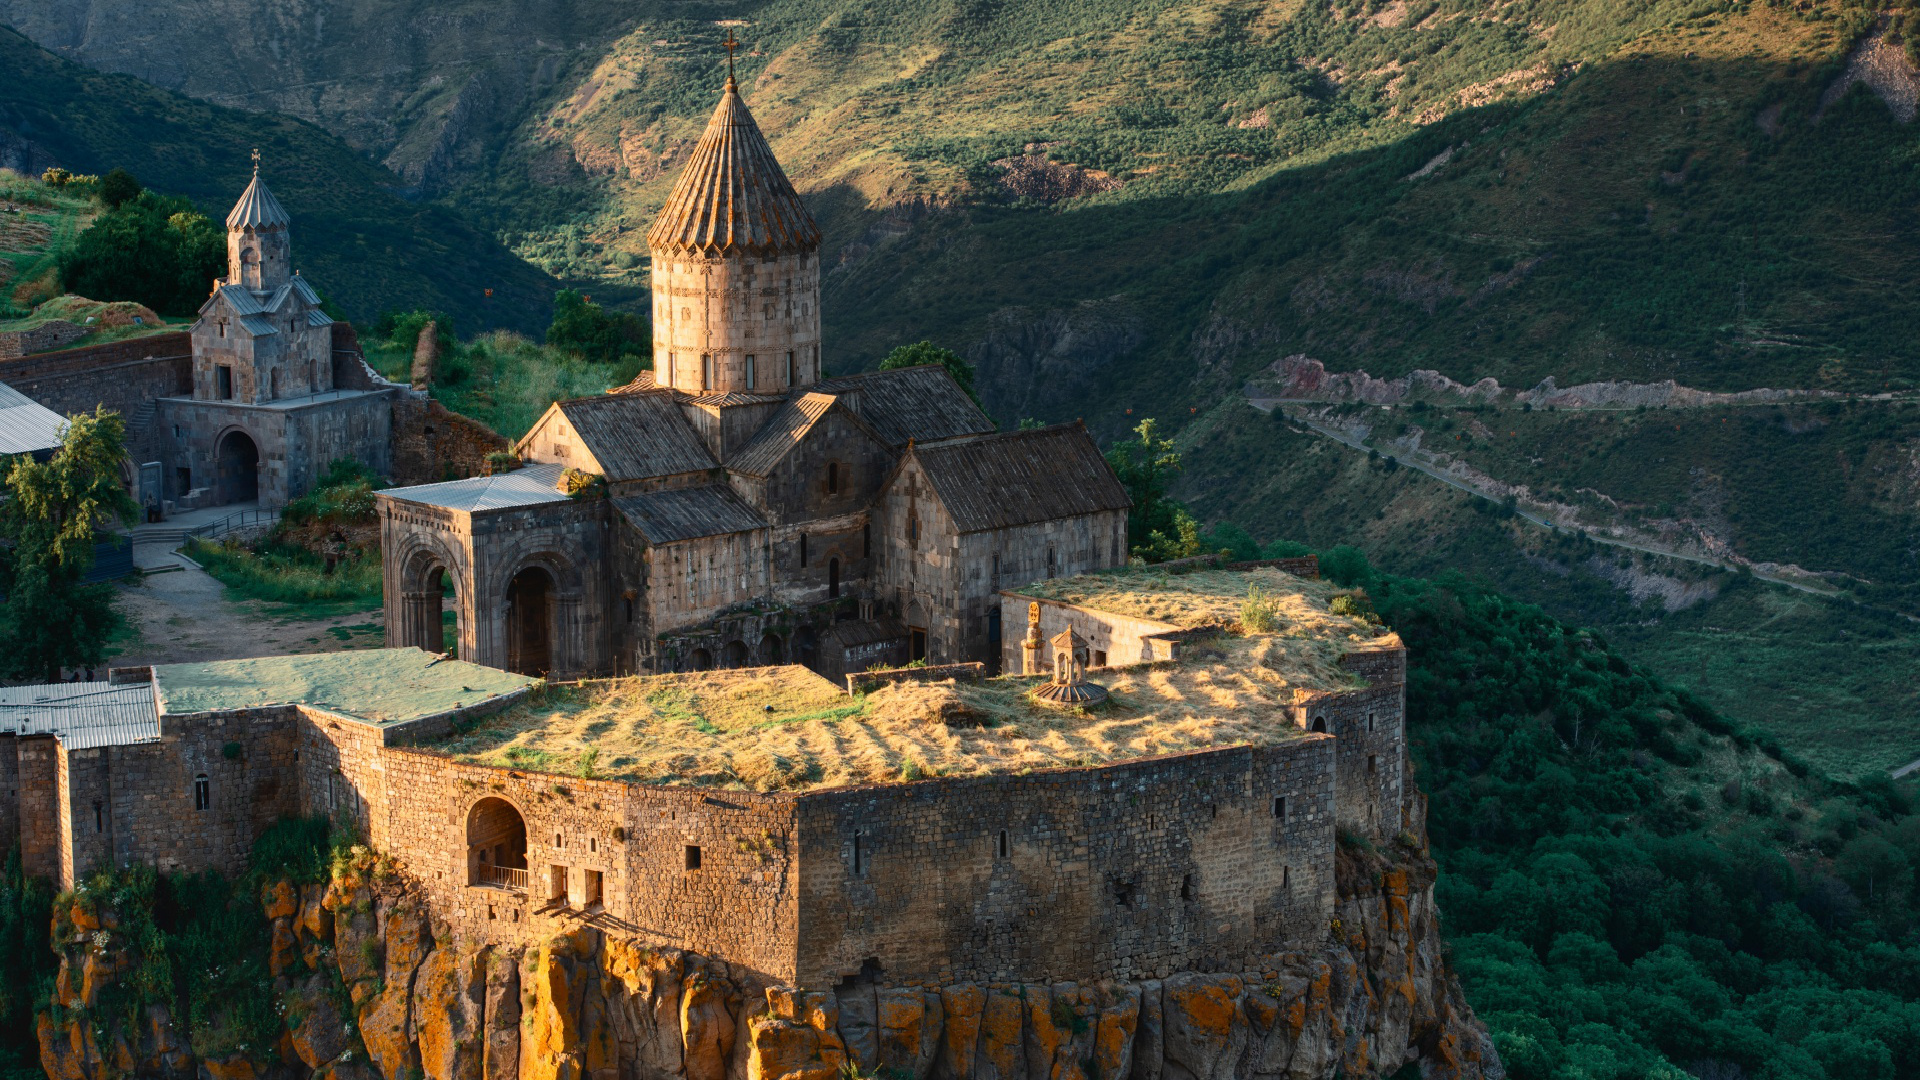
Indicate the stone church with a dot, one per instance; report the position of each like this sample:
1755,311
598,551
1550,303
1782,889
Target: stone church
265,414
732,507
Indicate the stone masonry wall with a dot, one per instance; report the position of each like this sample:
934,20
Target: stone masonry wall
431,443
1119,872
1112,640
39,813
10,785
149,791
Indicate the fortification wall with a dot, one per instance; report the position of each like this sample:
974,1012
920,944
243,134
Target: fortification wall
1131,870
39,814
149,811
431,443
1370,728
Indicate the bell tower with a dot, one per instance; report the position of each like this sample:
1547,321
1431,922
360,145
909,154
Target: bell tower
257,255
736,266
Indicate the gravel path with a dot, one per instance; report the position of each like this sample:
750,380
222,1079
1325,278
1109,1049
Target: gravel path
185,617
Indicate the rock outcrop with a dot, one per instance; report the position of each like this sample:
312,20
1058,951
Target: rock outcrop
370,990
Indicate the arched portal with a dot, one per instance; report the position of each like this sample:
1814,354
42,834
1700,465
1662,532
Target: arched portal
1320,724
736,653
530,622
771,651
700,660
496,845
239,461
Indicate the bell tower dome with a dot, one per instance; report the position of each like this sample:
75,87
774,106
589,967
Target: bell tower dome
257,255
736,266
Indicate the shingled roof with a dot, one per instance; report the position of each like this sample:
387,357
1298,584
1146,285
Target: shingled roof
733,197
664,517
781,434
257,208
637,435
918,404
1021,477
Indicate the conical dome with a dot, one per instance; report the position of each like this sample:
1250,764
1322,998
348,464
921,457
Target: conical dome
733,197
257,208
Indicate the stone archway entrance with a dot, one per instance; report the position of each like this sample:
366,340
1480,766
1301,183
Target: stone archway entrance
496,845
530,622
239,461
771,651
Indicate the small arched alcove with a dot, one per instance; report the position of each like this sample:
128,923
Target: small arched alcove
496,845
771,650
736,654
1320,724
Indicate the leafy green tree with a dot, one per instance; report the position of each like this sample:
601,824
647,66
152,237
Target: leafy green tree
585,328
53,514
152,249
118,188
926,352
1158,527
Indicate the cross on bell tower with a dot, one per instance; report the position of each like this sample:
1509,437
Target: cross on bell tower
730,44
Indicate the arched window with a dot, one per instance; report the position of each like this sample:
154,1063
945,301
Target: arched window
749,371
1320,724
866,540
913,530
789,368
706,371
833,478
1052,561
803,549
202,792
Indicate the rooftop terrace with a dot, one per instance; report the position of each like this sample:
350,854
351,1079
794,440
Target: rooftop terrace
379,686
787,729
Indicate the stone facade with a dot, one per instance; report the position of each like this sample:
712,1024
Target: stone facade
731,508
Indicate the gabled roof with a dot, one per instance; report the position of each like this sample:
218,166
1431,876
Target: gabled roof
642,381
665,517
316,317
239,298
257,325
257,208
1021,477
918,404
733,197
638,435
781,434
526,486
26,426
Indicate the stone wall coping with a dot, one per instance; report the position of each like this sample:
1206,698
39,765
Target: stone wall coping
860,682
1165,627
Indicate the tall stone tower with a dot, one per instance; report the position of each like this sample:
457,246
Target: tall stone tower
257,256
736,267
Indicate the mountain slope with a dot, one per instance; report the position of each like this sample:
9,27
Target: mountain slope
363,245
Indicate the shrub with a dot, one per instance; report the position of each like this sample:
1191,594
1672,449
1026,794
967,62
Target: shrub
1259,612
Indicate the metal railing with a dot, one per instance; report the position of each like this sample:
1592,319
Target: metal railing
261,515
504,877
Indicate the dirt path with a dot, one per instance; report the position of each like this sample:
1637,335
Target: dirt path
185,617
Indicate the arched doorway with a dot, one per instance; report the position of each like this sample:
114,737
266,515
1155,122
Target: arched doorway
1320,725
806,647
700,660
771,651
239,461
736,653
444,629
496,845
530,622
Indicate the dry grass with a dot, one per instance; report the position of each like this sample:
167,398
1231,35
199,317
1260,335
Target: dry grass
786,729
1206,598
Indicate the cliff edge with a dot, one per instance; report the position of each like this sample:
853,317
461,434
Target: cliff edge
370,987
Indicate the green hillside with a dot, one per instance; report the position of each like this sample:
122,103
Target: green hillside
354,236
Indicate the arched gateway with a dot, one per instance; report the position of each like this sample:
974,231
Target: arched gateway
496,845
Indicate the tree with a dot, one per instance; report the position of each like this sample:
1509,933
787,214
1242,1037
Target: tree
153,249
1158,528
583,327
926,352
53,513
118,188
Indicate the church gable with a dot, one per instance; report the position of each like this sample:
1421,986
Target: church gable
816,459
553,441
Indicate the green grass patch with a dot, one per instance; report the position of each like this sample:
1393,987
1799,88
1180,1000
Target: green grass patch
292,578
501,379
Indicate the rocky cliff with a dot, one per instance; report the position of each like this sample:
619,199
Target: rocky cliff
370,988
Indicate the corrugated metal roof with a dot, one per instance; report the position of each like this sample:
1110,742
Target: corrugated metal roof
257,208
664,517
316,317
529,485
781,434
26,426
635,436
733,197
1020,477
306,292
920,404
257,325
82,715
